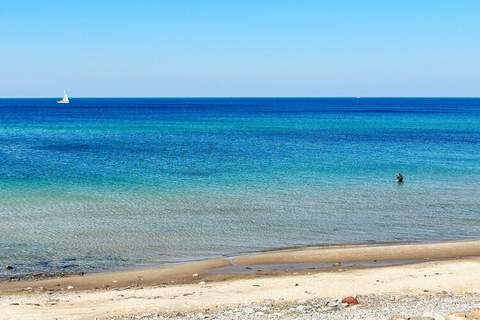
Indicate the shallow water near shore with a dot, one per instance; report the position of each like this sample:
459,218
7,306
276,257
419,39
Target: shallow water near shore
103,184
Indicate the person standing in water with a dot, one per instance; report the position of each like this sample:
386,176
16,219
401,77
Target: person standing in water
399,178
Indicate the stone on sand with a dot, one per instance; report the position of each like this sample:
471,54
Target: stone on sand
350,300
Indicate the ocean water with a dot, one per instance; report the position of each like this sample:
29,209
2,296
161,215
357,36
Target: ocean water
106,184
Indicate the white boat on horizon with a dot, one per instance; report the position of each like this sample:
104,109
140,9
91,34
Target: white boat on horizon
65,99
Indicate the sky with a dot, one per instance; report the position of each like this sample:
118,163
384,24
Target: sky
198,48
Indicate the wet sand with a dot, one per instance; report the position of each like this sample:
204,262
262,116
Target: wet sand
265,263
336,272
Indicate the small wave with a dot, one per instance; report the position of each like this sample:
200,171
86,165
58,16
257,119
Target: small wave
70,147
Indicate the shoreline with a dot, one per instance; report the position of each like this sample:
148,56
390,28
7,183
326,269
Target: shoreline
307,279
261,264
45,275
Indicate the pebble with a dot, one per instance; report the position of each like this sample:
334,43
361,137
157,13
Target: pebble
300,308
373,307
350,300
248,310
334,303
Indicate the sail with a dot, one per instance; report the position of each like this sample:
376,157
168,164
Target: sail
65,98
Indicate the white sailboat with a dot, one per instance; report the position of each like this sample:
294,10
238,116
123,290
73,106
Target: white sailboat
65,99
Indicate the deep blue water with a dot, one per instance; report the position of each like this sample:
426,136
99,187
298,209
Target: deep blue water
102,184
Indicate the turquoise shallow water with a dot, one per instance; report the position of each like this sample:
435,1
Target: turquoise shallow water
103,184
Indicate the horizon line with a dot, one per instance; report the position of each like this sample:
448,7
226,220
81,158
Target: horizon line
245,97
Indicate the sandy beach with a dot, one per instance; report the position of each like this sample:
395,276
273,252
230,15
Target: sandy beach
286,278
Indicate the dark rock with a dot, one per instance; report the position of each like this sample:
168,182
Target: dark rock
8,267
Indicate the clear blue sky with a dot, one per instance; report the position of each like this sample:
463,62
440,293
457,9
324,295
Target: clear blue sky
240,48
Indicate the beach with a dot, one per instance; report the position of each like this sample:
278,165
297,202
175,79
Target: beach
214,207
443,273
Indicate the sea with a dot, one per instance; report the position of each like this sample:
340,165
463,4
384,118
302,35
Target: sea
118,183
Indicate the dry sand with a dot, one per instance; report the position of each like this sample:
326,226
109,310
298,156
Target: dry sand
195,288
